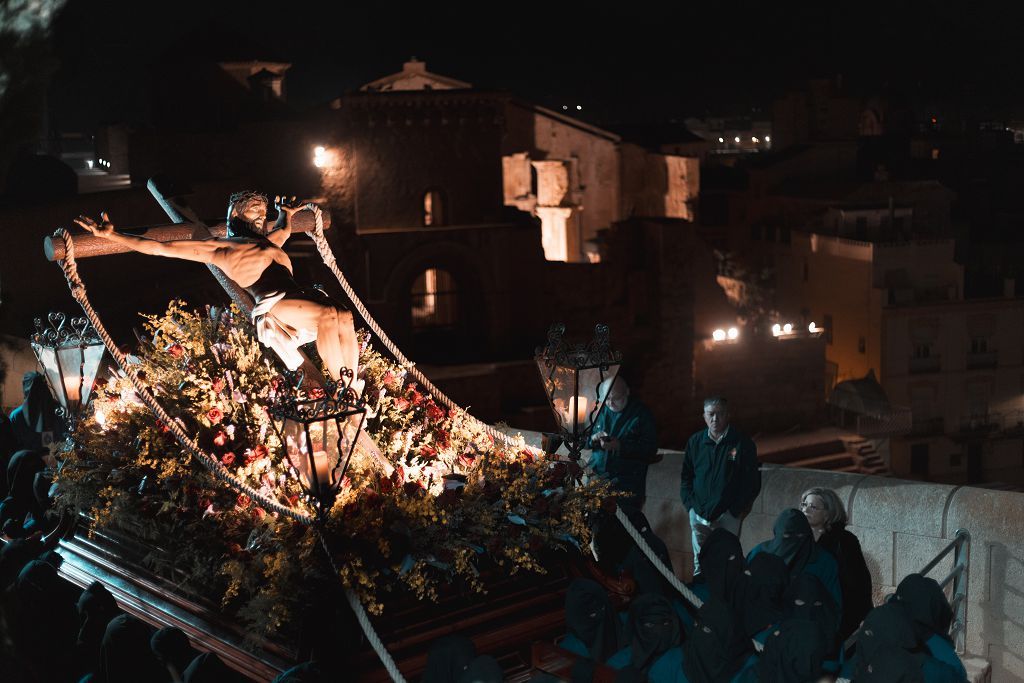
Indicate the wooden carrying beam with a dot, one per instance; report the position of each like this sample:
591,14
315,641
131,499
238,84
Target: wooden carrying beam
87,246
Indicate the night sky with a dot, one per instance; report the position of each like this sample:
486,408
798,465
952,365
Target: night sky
629,62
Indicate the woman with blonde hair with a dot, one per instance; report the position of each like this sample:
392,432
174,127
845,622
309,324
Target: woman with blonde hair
827,517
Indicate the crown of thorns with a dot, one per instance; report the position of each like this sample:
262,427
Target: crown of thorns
248,196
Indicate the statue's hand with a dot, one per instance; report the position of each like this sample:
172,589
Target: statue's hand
102,229
288,206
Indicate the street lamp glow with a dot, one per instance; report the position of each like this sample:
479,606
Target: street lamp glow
776,329
319,156
718,335
753,139
767,138
579,107
721,139
737,138
812,328
787,328
733,333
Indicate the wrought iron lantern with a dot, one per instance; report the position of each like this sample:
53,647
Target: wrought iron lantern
70,353
319,429
572,375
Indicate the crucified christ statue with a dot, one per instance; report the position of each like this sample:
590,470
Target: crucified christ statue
286,315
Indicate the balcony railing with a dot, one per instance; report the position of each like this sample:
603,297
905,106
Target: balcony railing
926,426
1009,424
980,424
984,359
930,364
894,422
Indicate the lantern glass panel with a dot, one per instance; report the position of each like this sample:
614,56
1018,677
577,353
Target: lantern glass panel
319,448
573,393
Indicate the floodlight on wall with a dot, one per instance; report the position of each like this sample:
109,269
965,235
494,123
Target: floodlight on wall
718,335
319,156
812,328
776,329
787,328
733,333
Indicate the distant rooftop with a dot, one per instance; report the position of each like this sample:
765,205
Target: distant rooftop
414,76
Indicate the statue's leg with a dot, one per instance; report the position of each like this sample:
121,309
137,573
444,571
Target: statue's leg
336,340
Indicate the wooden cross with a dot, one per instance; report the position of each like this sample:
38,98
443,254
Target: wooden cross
186,225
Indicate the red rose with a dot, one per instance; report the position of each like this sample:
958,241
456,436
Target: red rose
228,459
258,514
416,397
218,385
215,415
221,438
293,499
402,403
176,350
250,457
243,500
161,427
261,451
428,452
434,413
234,549
316,393
412,488
467,459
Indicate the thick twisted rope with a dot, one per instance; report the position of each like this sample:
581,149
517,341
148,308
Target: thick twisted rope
328,257
364,621
331,262
77,287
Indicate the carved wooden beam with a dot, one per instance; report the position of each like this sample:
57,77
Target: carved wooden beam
87,246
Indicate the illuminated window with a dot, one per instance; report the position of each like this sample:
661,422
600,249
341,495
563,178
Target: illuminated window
935,152
434,209
434,299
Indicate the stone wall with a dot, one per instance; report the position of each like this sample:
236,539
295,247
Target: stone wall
901,526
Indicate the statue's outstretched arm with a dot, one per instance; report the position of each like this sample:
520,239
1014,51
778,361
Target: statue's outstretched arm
191,250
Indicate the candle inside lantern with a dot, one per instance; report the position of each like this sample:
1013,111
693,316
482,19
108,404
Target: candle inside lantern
579,407
72,388
323,467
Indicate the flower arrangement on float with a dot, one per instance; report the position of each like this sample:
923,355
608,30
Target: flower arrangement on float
444,499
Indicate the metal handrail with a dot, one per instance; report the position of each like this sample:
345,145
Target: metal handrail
960,546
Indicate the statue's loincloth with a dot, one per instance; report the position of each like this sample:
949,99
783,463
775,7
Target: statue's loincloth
273,332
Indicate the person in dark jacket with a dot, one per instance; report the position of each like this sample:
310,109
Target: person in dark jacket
725,577
888,649
653,653
8,446
932,615
35,422
827,517
624,441
448,658
794,652
794,543
720,477
769,577
716,650
595,631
